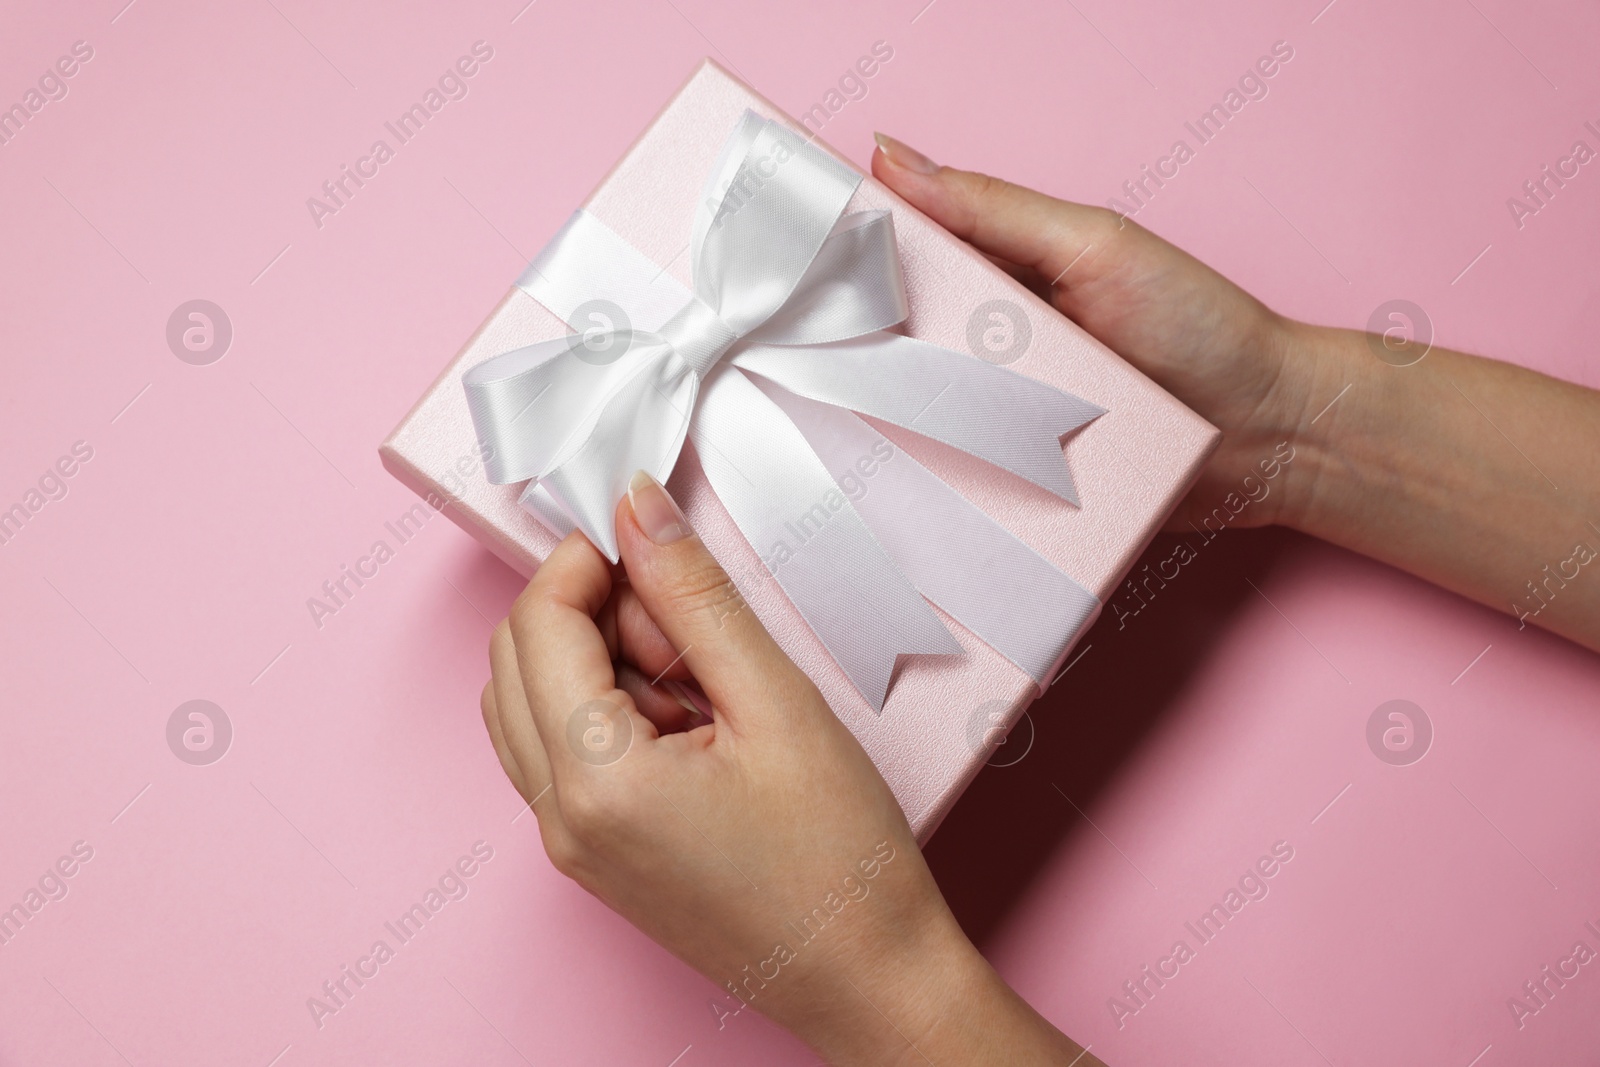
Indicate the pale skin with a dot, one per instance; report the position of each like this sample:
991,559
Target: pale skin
713,833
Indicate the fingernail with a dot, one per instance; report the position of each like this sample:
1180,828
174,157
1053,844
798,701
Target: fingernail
904,156
657,513
690,698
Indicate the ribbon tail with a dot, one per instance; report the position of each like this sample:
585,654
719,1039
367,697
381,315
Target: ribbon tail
993,413
976,570
814,542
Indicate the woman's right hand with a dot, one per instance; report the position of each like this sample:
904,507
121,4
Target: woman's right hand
759,844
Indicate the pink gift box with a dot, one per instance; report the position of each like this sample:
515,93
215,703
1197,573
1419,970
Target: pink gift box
944,714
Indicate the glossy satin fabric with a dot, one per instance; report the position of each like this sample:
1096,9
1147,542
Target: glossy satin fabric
764,365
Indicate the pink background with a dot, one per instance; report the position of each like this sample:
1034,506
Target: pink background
1221,719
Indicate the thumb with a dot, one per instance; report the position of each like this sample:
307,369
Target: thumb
696,605
1009,221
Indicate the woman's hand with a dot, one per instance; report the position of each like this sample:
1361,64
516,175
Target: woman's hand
758,844
1202,338
1475,474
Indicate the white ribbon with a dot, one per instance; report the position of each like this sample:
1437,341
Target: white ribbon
765,366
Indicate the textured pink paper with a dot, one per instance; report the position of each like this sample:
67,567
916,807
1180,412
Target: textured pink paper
924,742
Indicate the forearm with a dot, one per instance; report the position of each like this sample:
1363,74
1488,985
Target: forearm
976,1018
1478,475
939,1003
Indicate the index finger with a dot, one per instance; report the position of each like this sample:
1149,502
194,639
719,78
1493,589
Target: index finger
561,654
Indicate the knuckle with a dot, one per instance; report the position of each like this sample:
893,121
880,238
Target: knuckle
707,591
1100,216
532,604
523,613
486,702
566,855
990,189
1109,224
589,810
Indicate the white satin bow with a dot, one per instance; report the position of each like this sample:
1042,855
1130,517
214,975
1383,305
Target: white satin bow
764,365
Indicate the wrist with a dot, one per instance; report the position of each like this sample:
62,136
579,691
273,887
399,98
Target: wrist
946,1005
1329,371
877,1001
950,981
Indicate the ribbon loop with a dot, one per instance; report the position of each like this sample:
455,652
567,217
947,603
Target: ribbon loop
852,287
774,210
790,290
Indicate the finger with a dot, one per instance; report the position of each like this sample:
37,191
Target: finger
669,712
491,723
522,743
562,657
1029,277
513,724
698,608
641,642
1027,228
